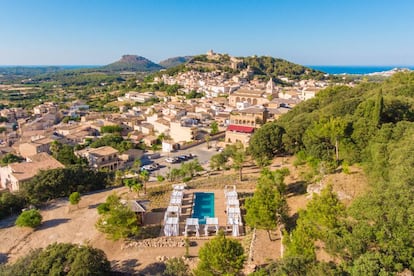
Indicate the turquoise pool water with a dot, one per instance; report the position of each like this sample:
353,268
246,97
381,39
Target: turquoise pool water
203,206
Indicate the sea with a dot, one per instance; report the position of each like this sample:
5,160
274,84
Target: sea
355,70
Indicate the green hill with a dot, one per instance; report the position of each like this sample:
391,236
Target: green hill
261,67
171,62
132,63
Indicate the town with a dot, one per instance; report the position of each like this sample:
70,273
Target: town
236,106
153,167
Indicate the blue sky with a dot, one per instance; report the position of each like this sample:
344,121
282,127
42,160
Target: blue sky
312,32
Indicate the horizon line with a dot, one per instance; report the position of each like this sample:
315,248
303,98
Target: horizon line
307,65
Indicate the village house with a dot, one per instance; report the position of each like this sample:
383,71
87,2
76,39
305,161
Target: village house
150,140
45,108
309,93
145,128
77,108
9,114
180,133
243,123
280,102
44,122
13,175
38,145
76,133
128,157
138,97
102,158
253,97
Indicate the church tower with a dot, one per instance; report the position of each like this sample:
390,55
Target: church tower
270,86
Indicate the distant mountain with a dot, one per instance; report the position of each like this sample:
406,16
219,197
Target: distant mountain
171,62
132,63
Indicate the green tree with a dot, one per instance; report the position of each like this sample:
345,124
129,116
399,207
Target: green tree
133,184
61,259
176,267
214,128
30,218
322,138
65,154
174,174
221,256
9,158
117,220
266,142
144,176
207,138
322,221
55,147
296,266
238,156
75,198
189,169
268,208
137,165
61,182
378,109
218,161
11,203
111,129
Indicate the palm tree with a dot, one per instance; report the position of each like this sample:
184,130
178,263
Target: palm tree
238,160
144,175
207,137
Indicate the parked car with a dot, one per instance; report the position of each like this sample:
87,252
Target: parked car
182,157
172,160
151,167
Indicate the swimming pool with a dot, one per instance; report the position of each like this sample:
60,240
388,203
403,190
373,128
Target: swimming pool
203,206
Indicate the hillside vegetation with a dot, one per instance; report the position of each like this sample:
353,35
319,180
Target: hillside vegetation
171,62
371,124
262,67
132,63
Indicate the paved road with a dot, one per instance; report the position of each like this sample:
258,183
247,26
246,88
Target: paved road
202,154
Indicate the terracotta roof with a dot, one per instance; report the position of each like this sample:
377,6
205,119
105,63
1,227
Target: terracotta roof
244,129
27,170
101,151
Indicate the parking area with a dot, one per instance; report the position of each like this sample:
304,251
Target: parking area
166,161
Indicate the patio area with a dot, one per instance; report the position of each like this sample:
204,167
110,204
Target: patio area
178,218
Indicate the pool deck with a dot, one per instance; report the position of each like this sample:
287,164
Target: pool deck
219,208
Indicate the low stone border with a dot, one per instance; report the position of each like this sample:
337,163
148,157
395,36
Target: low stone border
157,242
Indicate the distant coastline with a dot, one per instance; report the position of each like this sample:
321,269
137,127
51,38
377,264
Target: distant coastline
329,69
355,70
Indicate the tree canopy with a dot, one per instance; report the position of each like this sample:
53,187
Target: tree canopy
61,259
268,207
30,218
62,182
221,256
370,124
117,220
266,143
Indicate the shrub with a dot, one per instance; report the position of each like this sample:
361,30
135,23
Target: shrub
31,218
74,198
221,256
176,267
